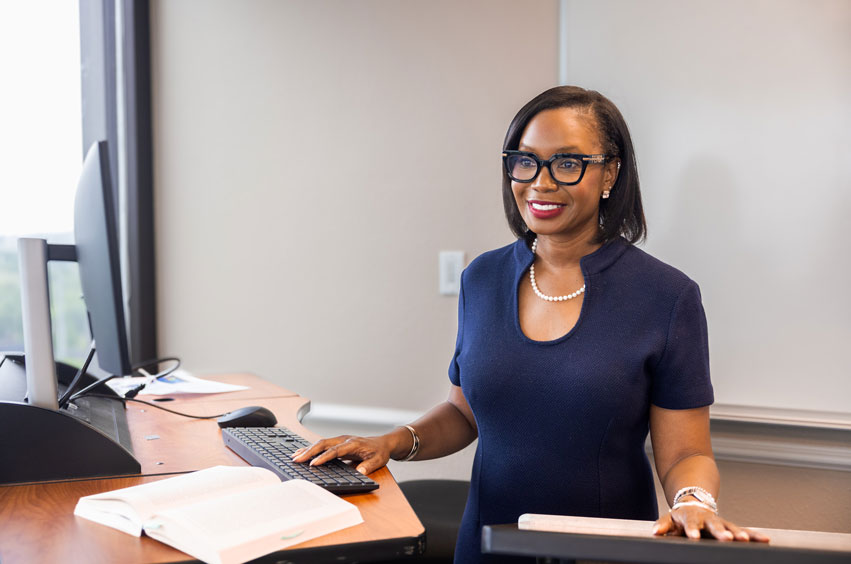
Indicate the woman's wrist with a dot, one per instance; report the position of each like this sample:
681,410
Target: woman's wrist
401,442
695,495
415,444
693,503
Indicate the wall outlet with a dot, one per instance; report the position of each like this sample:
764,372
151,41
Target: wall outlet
451,264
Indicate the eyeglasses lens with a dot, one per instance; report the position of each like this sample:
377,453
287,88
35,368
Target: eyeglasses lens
524,168
566,169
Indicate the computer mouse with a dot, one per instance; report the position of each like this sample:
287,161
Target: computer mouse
251,416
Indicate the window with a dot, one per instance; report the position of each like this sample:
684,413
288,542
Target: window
41,142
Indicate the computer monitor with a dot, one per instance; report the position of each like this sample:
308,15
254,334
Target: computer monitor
96,241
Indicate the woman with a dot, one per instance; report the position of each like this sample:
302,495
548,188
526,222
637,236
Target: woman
571,343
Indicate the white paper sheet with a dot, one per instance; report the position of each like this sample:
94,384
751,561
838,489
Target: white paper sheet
178,382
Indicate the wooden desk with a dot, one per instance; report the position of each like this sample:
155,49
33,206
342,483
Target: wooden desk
37,522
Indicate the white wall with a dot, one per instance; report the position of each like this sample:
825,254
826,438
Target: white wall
311,159
741,117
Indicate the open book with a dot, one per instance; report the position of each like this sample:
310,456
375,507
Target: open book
223,514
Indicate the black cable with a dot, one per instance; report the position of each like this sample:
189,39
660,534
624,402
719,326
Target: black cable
135,391
119,398
63,401
103,380
162,374
130,394
157,361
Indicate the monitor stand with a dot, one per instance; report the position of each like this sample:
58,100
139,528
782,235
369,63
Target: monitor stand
90,438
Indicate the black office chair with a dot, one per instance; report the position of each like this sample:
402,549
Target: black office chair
439,504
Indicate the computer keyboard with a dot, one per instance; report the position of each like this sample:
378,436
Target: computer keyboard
271,447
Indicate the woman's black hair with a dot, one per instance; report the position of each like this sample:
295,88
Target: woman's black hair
621,214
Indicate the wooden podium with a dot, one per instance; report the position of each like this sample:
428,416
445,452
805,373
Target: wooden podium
567,539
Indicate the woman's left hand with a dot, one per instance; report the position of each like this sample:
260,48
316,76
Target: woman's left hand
690,521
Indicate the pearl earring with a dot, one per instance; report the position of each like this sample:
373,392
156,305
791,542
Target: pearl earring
605,194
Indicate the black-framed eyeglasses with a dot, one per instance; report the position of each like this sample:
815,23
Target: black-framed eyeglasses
565,168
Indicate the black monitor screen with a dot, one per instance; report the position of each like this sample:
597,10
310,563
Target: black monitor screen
96,239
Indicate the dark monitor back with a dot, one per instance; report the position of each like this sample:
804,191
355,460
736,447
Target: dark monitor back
96,240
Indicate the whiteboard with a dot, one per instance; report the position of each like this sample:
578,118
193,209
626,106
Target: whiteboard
741,118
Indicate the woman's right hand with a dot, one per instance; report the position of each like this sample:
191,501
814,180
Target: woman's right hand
372,452
447,428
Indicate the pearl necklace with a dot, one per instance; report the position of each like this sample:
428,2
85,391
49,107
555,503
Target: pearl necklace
542,295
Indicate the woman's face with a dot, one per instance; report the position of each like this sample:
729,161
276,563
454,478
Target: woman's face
563,130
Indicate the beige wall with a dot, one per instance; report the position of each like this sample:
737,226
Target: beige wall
785,497
311,159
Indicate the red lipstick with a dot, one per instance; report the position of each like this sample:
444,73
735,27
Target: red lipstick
544,213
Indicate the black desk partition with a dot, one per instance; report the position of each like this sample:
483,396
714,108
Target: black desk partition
88,439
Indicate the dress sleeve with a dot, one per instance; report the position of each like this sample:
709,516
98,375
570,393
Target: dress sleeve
681,378
454,368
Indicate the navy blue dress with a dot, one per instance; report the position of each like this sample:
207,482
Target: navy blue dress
562,423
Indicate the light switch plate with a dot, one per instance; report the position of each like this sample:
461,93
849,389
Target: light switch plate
451,264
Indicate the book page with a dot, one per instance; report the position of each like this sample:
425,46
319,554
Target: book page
252,523
147,499
112,513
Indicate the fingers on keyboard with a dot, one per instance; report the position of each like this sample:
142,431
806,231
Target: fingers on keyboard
274,449
318,448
